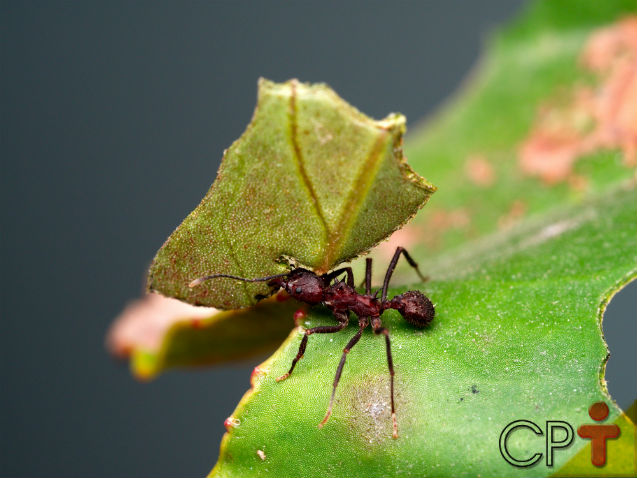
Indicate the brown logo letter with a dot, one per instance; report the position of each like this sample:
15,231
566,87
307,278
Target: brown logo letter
598,434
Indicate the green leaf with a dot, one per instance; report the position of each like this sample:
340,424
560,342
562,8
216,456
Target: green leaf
312,180
517,336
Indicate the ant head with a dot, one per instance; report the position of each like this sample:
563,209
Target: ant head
301,284
415,307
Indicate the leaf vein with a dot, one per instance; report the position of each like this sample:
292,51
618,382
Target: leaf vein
353,204
298,158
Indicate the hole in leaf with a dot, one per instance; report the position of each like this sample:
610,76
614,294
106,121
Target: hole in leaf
620,331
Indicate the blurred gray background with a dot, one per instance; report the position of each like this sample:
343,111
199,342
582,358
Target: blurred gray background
114,119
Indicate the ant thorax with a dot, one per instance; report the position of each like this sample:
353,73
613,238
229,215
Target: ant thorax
367,306
341,296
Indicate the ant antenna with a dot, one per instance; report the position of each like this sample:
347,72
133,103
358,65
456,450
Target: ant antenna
200,280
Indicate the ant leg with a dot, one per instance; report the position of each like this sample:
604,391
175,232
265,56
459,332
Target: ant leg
378,329
326,329
368,277
362,323
392,266
337,272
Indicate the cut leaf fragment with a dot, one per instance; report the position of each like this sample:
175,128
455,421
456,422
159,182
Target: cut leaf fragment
311,180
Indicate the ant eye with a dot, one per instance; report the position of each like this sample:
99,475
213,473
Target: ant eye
298,290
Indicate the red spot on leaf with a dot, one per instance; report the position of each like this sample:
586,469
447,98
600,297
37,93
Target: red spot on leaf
230,423
256,373
479,170
299,315
517,210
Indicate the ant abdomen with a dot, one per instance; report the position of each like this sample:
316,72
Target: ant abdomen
415,307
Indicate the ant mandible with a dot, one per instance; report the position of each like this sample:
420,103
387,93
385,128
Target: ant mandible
341,298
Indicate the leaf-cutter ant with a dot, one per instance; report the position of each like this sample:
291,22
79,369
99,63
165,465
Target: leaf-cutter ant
341,298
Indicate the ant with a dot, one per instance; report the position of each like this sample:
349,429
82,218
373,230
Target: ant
341,298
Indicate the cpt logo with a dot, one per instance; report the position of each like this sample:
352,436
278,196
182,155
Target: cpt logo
598,434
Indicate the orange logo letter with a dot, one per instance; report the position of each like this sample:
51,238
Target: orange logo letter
598,434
